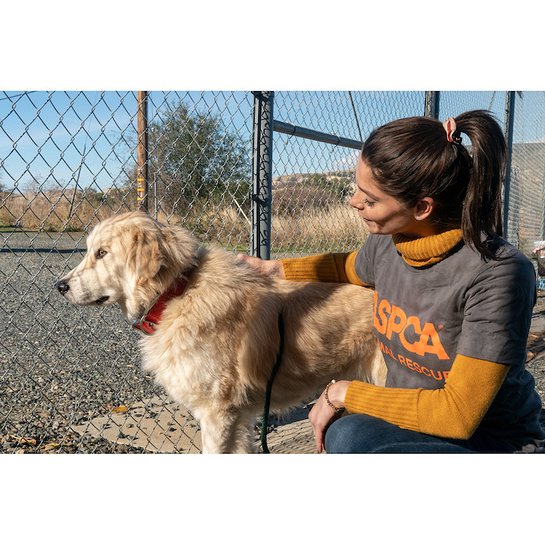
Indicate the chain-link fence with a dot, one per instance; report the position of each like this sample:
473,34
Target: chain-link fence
212,161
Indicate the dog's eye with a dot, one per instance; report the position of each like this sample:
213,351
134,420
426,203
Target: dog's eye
100,253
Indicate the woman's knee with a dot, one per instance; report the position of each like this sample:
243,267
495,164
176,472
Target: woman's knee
350,434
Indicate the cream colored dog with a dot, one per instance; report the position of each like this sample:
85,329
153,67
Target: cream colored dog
212,325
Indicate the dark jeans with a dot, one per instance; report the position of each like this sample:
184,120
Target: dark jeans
359,433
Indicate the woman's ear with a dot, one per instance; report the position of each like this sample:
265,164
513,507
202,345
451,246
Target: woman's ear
424,208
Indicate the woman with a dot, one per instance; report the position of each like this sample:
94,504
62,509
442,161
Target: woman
453,300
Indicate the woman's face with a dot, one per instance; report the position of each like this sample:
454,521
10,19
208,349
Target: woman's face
384,214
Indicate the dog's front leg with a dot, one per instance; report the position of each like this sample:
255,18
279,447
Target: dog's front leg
245,441
219,432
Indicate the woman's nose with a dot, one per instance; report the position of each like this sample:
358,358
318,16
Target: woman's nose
354,202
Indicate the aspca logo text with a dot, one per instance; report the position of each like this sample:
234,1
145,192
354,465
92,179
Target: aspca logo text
391,320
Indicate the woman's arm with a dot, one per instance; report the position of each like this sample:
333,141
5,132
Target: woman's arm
454,411
338,267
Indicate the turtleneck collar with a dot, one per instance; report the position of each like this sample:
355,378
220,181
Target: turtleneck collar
424,251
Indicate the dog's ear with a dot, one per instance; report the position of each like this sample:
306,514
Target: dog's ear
160,252
145,258
179,248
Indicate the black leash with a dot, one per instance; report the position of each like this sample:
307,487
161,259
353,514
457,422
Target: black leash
265,420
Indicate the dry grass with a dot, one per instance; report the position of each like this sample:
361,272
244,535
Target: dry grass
55,211
312,228
336,228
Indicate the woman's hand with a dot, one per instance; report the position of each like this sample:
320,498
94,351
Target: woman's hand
266,267
322,414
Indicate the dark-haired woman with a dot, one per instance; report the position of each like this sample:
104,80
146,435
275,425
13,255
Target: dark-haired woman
453,300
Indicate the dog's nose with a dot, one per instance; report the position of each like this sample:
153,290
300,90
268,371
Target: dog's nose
63,286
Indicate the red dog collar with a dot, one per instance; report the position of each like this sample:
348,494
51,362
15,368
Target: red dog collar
148,323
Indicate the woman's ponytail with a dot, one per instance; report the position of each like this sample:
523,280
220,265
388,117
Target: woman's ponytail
482,206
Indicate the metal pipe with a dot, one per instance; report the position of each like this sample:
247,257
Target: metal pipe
301,132
509,123
431,104
262,174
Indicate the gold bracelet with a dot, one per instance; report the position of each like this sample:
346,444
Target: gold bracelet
336,409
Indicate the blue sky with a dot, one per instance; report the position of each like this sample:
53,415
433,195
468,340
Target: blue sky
54,137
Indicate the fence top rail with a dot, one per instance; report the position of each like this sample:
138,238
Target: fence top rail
310,134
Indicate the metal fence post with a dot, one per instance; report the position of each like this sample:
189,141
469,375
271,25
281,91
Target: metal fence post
431,104
509,123
262,174
142,152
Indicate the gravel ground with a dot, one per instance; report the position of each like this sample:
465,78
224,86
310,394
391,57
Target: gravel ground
62,365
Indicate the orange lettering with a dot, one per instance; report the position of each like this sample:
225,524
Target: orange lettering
381,320
386,350
430,333
415,323
393,325
390,319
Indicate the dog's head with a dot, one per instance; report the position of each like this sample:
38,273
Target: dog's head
130,260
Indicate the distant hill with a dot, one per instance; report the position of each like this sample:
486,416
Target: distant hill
333,177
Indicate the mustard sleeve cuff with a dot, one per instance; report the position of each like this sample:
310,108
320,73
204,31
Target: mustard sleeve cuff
454,411
395,405
339,267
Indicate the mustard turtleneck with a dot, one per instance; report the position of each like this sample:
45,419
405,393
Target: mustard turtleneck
424,251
